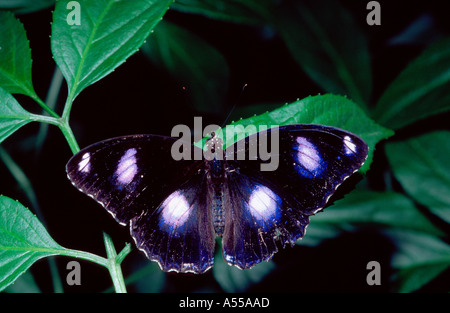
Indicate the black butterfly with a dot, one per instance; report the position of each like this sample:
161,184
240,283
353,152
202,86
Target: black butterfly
176,209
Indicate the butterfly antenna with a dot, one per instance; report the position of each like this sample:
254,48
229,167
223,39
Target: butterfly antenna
234,106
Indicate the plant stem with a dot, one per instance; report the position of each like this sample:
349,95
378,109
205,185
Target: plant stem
68,104
84,255
63,126
68,134
54,118
114,264
44,106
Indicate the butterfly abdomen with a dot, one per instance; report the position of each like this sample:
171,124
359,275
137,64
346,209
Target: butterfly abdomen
218,216
215,176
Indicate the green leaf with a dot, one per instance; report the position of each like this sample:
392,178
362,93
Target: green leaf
109,32
411,279
421,90
23,241
15,56
419,258
317,232
363,208
12,115
24,284
383,208
328,109
253,12
25,6
148,278
198,65
421,166
329,46
253,110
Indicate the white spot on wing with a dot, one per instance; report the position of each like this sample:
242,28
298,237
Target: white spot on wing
85,166
349,146
309,158
175,210
127,167
263,203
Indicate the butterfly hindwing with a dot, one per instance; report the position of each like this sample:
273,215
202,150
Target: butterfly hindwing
268,205
179,234
253,221
139,183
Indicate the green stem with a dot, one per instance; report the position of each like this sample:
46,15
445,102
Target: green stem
111,263
68,104
114,261
85,256
44,106
68,134
63,126
54,118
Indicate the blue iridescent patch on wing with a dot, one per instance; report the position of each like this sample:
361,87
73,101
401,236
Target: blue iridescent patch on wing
127,167
264,206
174,212
308,160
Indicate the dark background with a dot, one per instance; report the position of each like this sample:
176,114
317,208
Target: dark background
141,98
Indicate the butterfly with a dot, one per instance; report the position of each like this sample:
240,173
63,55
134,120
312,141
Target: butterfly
175,208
